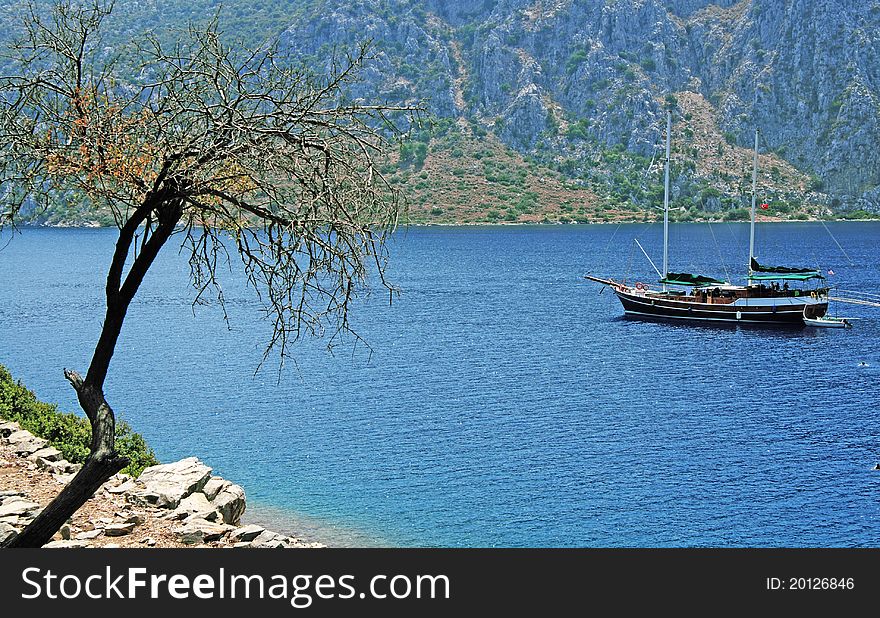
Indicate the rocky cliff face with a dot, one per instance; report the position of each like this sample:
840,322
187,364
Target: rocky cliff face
573,77
569,81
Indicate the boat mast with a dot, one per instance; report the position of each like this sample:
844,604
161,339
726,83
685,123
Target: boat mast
666,201
754,197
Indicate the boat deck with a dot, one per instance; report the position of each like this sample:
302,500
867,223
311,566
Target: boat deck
725,295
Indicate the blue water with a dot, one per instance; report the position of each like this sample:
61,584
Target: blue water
504,400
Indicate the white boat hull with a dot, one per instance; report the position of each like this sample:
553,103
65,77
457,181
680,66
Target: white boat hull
828,322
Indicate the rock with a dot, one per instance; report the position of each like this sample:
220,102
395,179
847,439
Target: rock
196,505
9,493
166,485
230,503
246,533
88,535
196,531
65,544
7,428
24,520
296,543
122,488
88,526
49,453
25,443
45,464
12,520
215,486
62,479
55,467
119,483
269,540
24,449
119,529
18,507
65,532
19,435
133,518
149,541
7,533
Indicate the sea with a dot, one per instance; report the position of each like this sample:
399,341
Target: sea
500,400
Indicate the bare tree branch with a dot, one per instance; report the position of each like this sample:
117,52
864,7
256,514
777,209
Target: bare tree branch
240,151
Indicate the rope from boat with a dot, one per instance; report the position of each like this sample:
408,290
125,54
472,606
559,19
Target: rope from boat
860,293
718,249
851,263
604,254
659,274
632,250
737,241
854,301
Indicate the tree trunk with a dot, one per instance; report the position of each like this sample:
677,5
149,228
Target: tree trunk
94,473
103,461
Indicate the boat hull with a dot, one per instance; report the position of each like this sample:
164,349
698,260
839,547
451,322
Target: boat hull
783,311
828,323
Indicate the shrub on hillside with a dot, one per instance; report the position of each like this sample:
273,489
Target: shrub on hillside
69,433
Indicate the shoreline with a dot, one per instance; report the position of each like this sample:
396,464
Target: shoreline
623,222
329,533
530,224
27,459
178,504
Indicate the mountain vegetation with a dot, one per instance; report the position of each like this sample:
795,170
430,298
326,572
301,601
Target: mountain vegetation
553,110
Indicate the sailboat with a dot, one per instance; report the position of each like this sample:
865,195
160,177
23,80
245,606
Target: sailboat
768,297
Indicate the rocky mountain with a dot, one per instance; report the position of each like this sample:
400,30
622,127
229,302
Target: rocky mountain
568,79
574,93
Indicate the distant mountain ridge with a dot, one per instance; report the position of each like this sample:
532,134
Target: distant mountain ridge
580,87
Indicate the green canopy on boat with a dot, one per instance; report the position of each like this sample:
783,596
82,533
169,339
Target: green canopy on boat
689,279
782,270
787,276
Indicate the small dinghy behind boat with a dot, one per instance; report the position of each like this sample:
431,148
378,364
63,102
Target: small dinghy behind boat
828,322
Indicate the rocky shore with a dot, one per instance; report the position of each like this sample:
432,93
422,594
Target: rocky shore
179,504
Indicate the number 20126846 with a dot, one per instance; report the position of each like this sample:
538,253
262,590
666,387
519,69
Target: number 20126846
811,583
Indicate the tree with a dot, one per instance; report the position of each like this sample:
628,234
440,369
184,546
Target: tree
232,151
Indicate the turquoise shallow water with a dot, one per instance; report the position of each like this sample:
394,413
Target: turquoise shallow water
503,402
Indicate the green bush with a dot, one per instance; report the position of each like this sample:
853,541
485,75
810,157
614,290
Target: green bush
779,207
737,214
579,129
858,214
69,433
578,57
413,153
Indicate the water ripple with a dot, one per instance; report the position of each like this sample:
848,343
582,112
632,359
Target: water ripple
505,401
